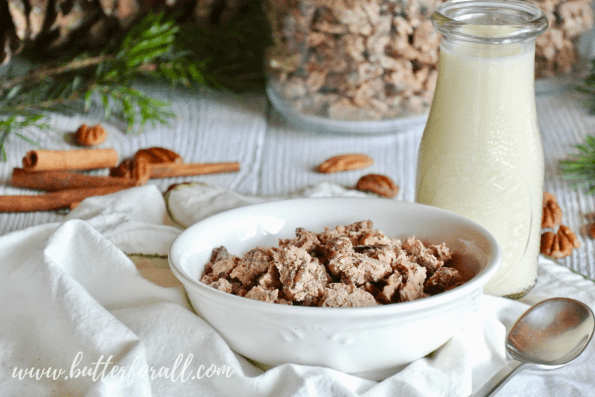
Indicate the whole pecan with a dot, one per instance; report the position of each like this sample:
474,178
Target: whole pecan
552,213
345,162
90,136
559,245
379,184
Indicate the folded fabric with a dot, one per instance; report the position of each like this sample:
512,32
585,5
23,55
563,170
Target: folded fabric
79,319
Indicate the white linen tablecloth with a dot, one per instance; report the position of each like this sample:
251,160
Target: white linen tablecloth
78,318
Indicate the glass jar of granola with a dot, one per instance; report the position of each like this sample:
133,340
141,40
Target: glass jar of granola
352,65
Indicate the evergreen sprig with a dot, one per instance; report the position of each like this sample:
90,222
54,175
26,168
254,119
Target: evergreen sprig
227,57
17,124
580,169
588,86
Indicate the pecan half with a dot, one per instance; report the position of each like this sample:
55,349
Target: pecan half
160,155
90,136
379,184
552,213
559,245
345,162
136,168
124,170
591,230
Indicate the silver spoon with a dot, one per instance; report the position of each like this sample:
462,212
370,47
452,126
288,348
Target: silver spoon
549,335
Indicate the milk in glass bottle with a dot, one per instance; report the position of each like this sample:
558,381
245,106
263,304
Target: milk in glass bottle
481,155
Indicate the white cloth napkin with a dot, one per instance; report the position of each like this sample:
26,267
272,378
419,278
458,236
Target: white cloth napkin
78,318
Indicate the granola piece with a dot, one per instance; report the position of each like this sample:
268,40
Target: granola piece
270,280
328,56
442,280
344,231
557,49
356,20
384,253
389,292
420,254
301,275
414,276
220,269
222,285
304,239
426,41
365,94
360,226
373,289
293,88
338,247
566,57
344,109
219,254
358,269
400,76
548,44
363,233
284,302
325,21
354,46
316,38
252,265
576,17
440,251
368,71
262,294
316,80
342,295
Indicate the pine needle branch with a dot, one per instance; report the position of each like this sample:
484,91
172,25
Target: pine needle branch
229,57
14,123
588,86
580,169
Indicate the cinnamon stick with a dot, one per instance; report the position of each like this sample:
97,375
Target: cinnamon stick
52,181
55,160
170,170
54,200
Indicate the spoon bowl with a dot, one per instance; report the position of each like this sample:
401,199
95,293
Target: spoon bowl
549,335
552,333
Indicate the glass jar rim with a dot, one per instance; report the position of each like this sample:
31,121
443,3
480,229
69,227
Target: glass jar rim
454,19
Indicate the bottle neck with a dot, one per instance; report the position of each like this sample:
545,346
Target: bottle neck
492,72
487,49
489,21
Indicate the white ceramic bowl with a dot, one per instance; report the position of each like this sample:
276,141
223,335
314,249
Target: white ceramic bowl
370,341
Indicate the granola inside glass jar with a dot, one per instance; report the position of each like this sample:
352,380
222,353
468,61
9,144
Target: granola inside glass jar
350,64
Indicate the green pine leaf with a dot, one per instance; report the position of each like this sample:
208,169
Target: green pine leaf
580,168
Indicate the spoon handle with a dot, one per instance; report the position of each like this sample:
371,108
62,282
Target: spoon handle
500,379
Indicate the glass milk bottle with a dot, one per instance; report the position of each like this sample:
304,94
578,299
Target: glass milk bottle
481,155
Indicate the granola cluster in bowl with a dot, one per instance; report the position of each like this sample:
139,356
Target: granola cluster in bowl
370,66
347,266
368,341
